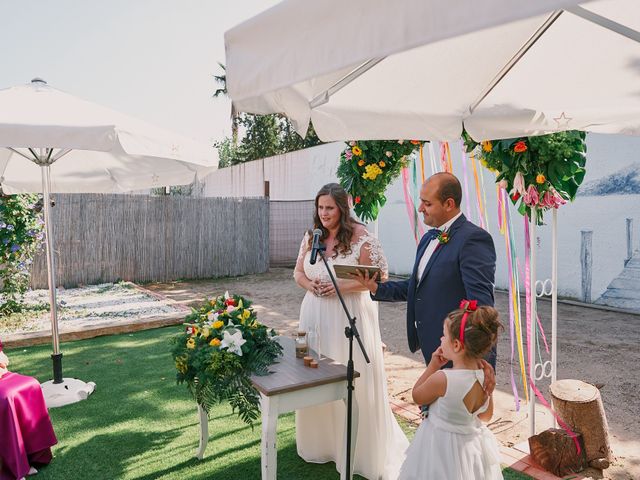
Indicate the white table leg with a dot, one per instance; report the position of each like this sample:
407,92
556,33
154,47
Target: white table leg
354,436
204,432
269,458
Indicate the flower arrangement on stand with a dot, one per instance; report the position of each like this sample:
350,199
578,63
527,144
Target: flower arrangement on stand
543,171
366,169
222,345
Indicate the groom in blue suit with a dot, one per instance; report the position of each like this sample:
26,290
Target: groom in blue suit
455,260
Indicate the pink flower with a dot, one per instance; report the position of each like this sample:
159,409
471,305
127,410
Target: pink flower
348,154
531,197
518,184
547,200
503,183
557,198
352,143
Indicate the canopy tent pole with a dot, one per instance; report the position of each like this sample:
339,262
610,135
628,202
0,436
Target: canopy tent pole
515,59
554,302
605,22
323,98
56,356
532,320
59,391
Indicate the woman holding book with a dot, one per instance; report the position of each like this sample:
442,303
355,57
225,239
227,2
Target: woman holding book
320,430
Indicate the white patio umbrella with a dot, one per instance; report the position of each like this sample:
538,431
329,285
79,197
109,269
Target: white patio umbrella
51,141
374,69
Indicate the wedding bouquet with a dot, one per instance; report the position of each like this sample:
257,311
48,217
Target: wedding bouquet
221,346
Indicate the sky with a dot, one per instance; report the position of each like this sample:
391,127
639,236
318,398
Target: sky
152,59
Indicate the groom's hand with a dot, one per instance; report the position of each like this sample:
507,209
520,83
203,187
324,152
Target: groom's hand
489,384
370,283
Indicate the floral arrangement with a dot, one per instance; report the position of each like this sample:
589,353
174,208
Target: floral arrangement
443,238
21,235
542,172
221,346
367,167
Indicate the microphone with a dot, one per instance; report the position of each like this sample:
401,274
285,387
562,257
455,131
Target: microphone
315,245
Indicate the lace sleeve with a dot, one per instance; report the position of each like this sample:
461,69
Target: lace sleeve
372,249
304,247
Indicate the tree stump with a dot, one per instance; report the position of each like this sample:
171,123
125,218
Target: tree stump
579,404
555,451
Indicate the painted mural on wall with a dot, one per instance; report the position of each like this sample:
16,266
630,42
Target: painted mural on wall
621,189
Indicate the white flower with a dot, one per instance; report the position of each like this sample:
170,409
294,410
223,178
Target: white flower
233,342
388,154
400,142
212,316
226,295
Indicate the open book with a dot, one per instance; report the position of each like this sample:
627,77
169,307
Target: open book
344,271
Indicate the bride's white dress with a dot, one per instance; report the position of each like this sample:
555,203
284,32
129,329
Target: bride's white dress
381,444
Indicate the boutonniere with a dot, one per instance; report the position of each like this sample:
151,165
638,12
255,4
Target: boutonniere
443,237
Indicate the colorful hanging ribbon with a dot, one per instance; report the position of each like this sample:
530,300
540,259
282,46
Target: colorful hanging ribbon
464,159
408,201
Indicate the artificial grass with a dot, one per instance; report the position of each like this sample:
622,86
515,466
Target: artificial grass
139,424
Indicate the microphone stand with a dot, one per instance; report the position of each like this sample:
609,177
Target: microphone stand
350,332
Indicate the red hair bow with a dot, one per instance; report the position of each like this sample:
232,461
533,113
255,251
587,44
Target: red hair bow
468,306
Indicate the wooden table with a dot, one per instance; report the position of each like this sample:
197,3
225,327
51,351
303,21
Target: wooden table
291,386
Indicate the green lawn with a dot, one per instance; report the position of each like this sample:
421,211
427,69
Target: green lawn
140,424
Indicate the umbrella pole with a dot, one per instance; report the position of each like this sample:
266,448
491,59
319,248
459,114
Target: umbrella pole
56,356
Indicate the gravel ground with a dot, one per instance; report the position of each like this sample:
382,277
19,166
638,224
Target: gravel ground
90,304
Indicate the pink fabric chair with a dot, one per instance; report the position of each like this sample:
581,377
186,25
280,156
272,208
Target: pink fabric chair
26,432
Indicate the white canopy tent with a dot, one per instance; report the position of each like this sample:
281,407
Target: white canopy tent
426,69
51,141
373,69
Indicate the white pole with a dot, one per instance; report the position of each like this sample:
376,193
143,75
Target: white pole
554,301
532,329
51,267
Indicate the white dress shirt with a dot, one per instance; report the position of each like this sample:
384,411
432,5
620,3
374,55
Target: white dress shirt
433,244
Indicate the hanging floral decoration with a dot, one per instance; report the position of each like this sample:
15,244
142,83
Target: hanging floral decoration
542,172
366,169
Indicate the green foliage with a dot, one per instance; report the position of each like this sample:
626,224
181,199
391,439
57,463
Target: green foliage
264,135
21,234
214,368
543,171
366,169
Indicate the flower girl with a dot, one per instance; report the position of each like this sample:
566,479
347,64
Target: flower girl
453,443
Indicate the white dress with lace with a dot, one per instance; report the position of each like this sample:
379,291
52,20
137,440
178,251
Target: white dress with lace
452,443
380,444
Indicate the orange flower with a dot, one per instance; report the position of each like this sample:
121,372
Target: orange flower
382,164
487,146
520,147
357,151
215,342
540,179
415,142
360,163
357,200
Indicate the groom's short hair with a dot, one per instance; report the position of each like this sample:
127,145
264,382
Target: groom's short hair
449,187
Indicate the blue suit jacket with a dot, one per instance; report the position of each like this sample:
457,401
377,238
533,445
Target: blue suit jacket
464,267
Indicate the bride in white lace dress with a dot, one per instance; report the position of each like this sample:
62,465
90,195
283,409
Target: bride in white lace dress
380,443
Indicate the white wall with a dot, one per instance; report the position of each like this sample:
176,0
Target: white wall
299,175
